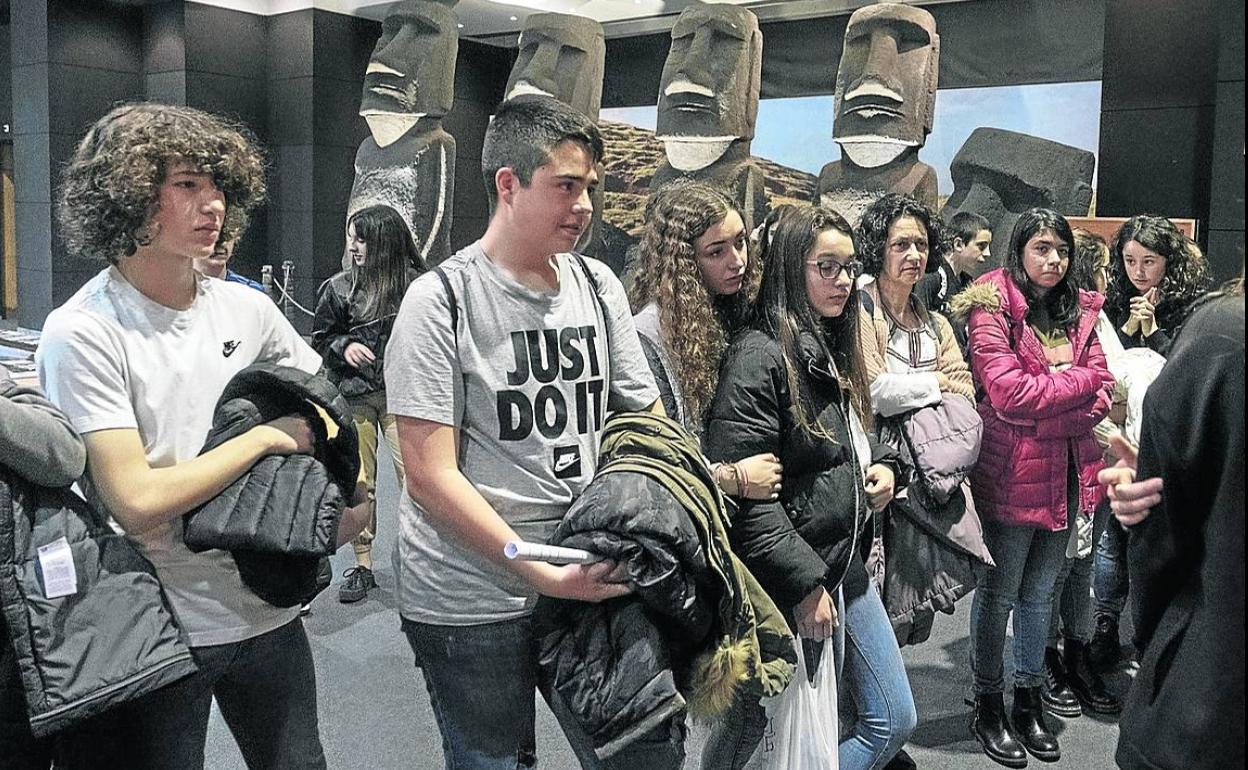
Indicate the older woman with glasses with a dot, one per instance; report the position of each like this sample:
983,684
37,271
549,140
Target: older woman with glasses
911,355
913,360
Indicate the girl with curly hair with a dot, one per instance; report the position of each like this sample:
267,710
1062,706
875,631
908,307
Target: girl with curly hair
795,385
137,359
1155,274
355,311
692,287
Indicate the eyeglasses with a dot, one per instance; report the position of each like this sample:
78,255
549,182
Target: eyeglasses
830,269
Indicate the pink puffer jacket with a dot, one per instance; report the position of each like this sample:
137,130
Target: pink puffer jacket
1034,420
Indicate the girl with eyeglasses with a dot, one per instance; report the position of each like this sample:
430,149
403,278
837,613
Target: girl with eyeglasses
795,385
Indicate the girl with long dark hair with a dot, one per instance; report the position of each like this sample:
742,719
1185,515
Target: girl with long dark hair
795,385
355,310
692,288
1036,357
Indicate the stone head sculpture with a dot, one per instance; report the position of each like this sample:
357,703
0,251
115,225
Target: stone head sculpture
561,56
708,94
411,73
999,174
886,83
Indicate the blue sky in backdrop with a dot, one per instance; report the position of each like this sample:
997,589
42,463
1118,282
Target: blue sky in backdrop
798,132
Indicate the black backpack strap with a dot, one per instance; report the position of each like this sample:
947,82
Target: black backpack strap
602,307
454,308
593,284
868,303
450,300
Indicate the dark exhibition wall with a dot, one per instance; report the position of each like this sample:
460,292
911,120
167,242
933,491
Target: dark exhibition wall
294,79
1171,117
983,43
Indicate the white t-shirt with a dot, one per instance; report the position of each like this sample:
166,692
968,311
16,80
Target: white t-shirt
528,379
112,358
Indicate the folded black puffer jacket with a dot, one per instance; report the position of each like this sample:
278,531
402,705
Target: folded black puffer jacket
110,642
698,625
281,516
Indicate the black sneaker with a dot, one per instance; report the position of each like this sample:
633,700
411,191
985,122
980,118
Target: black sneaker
359,580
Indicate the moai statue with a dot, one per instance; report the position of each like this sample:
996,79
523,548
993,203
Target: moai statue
885,102
708,104
999,174
408,160
563,56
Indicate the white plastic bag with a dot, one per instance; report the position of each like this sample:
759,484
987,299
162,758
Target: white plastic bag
802,731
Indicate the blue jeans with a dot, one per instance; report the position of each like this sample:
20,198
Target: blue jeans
481,681
1028,562
1111,579
265,687
874,679
1071,616
872,676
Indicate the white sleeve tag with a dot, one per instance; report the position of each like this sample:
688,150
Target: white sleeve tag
56,560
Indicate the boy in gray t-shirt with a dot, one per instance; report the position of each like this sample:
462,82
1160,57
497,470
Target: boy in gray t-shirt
501,388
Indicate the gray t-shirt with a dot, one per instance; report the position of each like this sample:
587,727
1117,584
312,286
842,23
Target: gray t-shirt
528,378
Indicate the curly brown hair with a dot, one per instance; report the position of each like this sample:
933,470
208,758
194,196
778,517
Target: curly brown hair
111,187
695,325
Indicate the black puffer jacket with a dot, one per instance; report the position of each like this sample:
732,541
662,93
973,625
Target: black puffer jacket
336,325
108,643
818,530
697,627
281,516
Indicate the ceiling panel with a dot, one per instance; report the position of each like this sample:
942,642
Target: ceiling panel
499,21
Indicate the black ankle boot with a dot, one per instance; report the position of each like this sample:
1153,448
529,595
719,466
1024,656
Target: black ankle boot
990,727
1057,695
1087,685
1105,649
1028,718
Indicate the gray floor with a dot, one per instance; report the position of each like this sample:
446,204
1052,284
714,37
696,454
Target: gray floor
374,712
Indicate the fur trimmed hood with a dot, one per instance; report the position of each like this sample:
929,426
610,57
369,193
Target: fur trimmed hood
996,292
981,295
